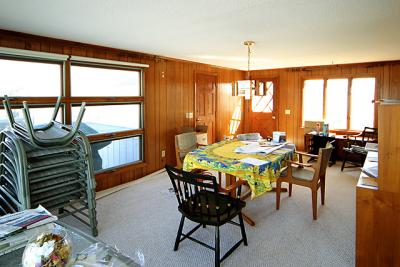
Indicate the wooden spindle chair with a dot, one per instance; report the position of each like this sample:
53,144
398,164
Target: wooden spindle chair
200,201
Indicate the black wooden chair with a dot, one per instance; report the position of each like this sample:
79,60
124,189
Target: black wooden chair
355,153
200,202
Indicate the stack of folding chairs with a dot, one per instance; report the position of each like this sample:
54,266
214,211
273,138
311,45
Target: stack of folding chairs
49,165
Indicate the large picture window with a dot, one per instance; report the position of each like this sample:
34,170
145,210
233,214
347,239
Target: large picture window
343,103
113,119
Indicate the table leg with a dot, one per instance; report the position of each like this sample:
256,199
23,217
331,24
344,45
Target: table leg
230,179
248,219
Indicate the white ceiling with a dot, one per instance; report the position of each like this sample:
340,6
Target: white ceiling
288,33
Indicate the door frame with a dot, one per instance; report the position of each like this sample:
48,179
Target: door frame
211,73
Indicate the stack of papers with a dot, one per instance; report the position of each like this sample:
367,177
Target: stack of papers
369,181
255,162
371,171
371,146
256,148
372,156
25,219
17,228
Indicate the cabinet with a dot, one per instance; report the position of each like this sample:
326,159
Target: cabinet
378,208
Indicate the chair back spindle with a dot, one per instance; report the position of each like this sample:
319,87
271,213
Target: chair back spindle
198,195
191,192
200,201
369,135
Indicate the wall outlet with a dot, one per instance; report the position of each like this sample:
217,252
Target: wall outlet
163,153
287,111
189,115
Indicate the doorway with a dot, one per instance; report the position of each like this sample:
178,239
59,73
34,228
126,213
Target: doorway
206,87
262,109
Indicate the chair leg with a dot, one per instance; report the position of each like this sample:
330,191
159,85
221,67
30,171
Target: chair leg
178,235
242,229
217,257
290,189
344,161
314,203
278,194
322,192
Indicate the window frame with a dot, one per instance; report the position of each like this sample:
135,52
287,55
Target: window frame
68,101
126,165
34,99
350,78
108,100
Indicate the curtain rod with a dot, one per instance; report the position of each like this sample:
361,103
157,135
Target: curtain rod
31,54
107,61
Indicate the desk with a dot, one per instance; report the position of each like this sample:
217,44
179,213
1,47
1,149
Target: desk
222,157
80,241
313,142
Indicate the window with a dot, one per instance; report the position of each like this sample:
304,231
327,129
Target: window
344,103
27,79
113,153
97,81
336,103
108,119
313,100
264,103
362,108
40,115
113,118
30,78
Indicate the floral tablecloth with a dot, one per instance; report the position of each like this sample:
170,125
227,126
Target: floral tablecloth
222,157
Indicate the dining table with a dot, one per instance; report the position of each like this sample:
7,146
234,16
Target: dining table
259,169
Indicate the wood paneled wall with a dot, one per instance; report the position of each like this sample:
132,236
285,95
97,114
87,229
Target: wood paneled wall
291,83
169,94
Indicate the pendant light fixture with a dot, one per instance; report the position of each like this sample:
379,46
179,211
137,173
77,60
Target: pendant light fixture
246,87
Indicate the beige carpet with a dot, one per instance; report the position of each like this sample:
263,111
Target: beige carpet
142,221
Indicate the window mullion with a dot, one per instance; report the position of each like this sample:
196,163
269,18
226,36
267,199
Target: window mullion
349,85
67,93
324,99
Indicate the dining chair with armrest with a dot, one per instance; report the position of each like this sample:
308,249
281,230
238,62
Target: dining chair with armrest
308,175
200,201
184,143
